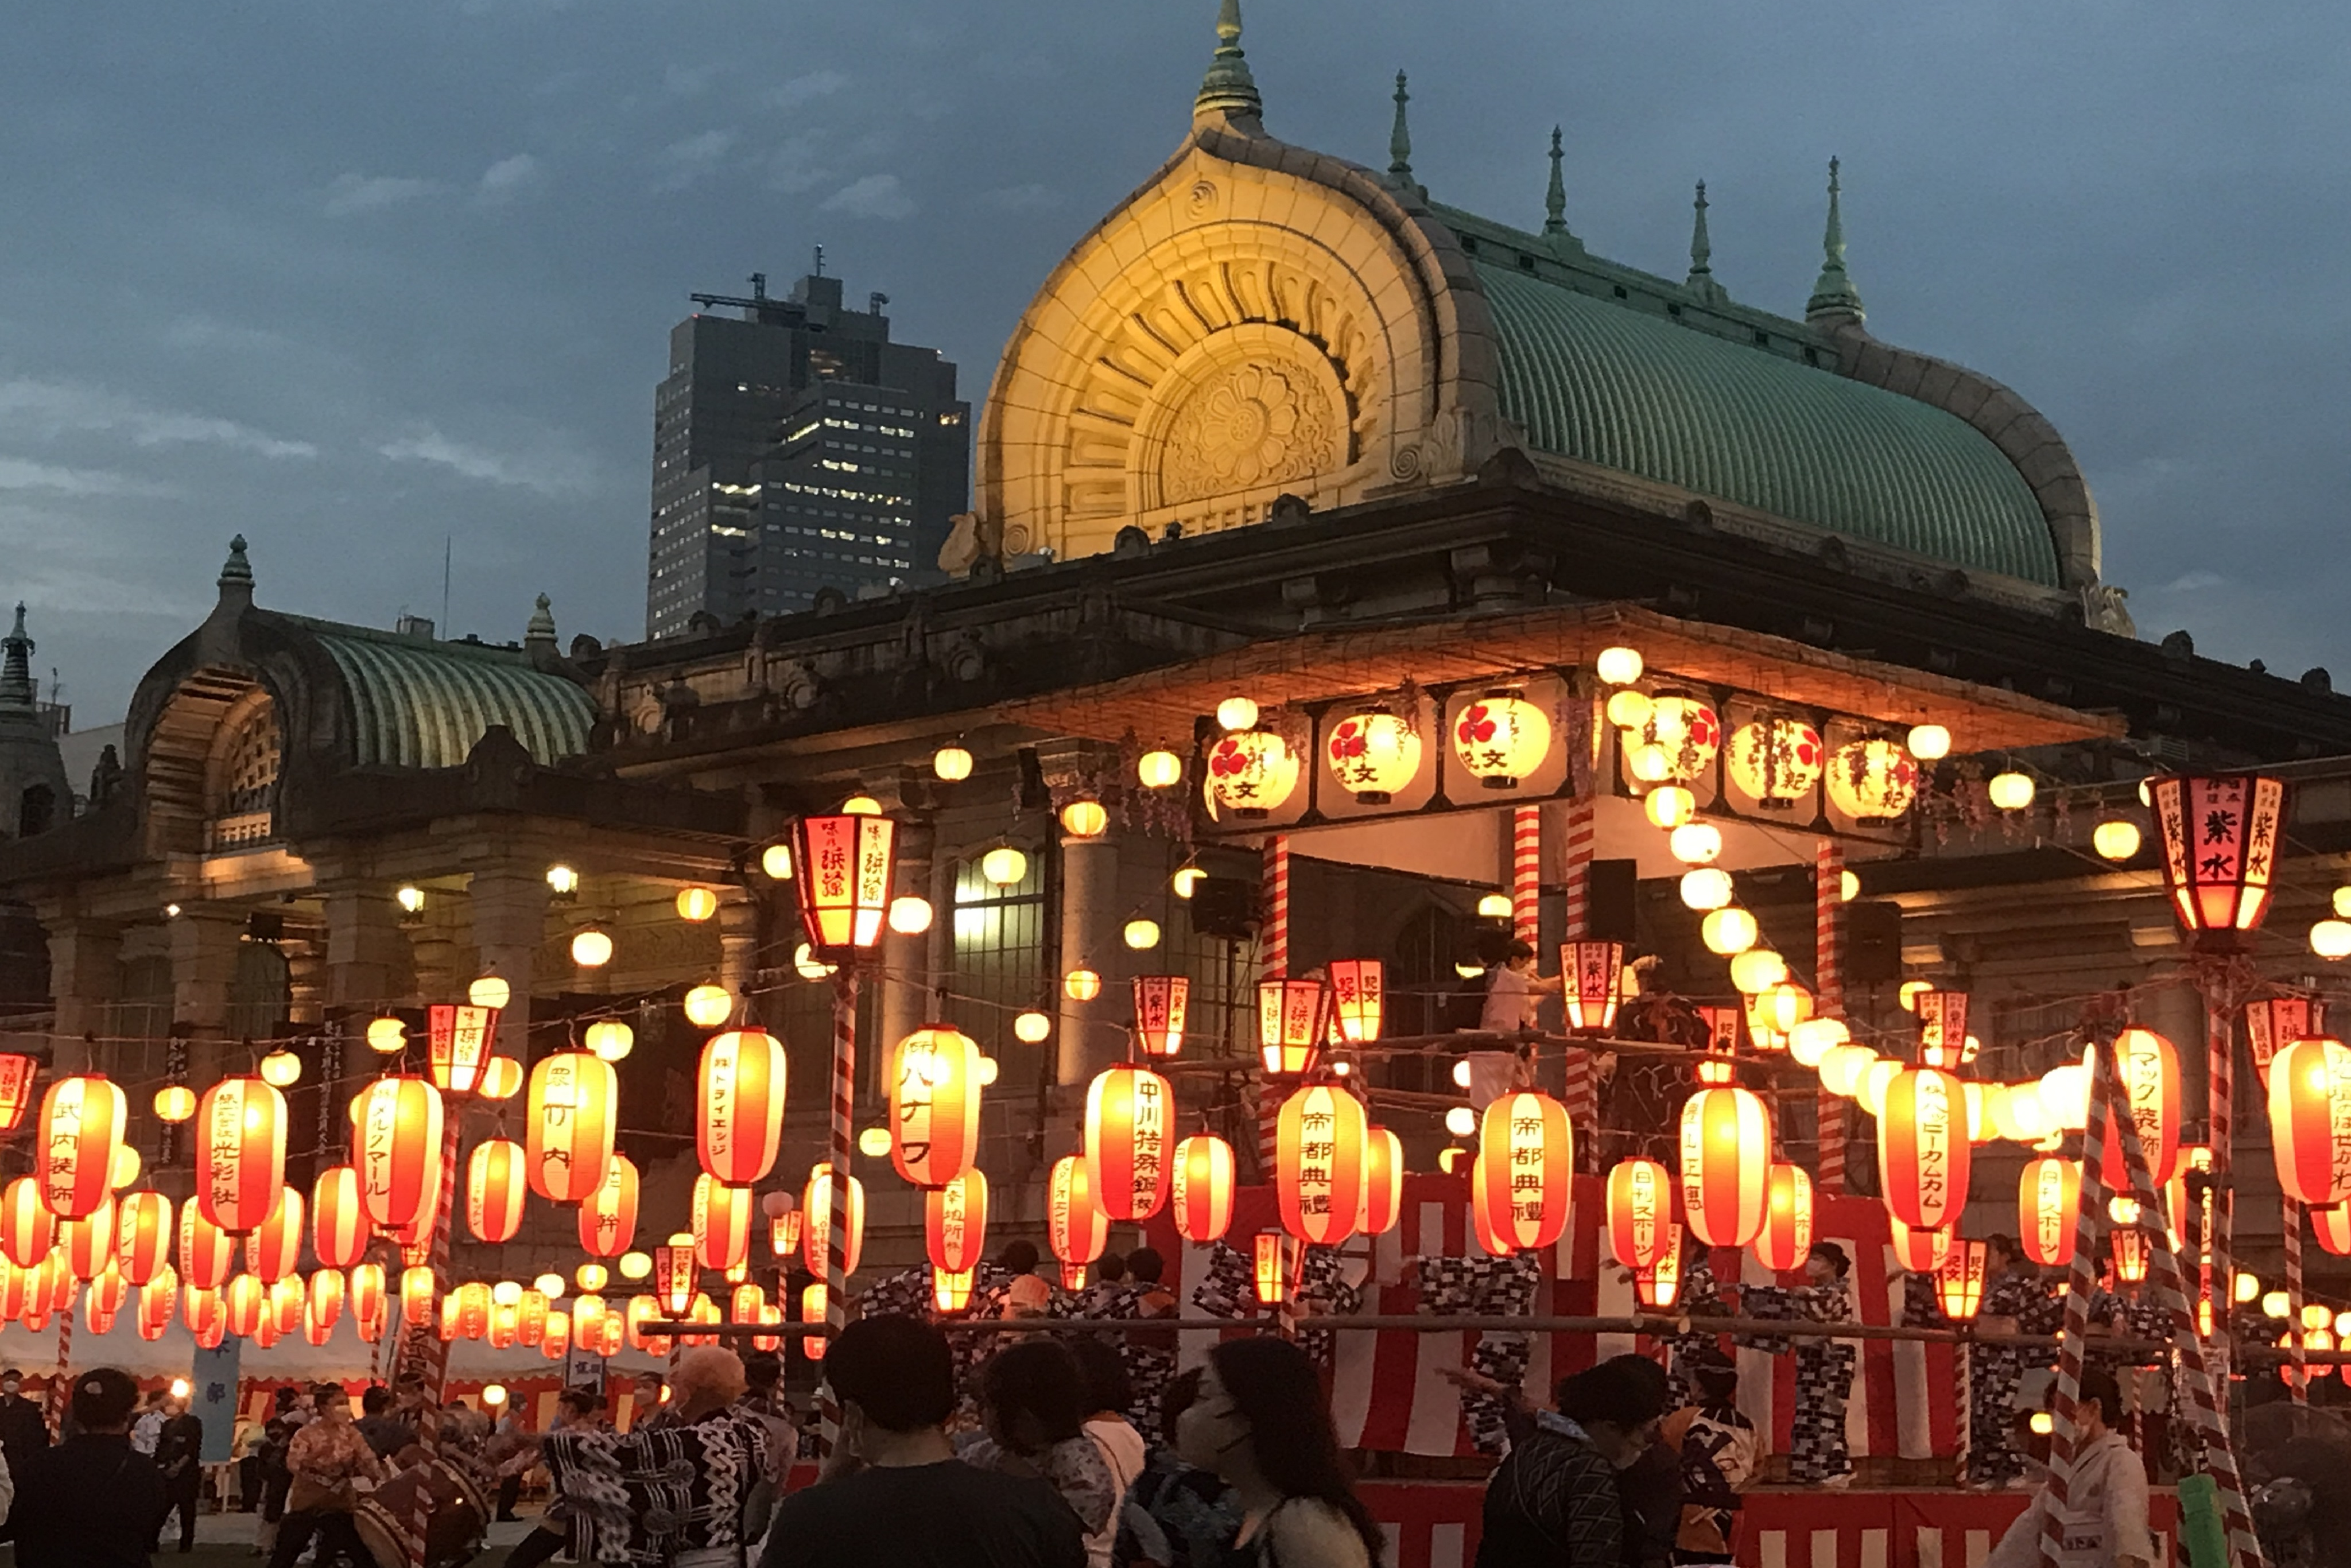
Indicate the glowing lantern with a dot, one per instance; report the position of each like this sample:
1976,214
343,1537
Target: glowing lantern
1594,976
81,1126
1657,1285
2010,791
2048,1207
707,1007
142,1246
610,1039
242,1164
955,1223
1160,1004
1728,931
842,872
275,1250
935,1106
1775,1011
1669,806
1203,1187
1528,1151
722,1223
1129,1114
817,1204
2219,847
1640,1205
1159,769
1786,1239
2331,1226
371,1309
1722,1035
1251,773
696,903
17,1074
1074,1222
1382,1183
675,1274
459,1038
1726,1158
1959,1281
1033,1026
1373,754
2128,1246
569,1124
205,1254
27,1229
1811,1042
248,1296
1775,762
812,1310
1084,819
1757,971
739,1106
1293,1018
1680,730
1004,866
287,1299
2276,1021
157,1300
174,1103
494,1190
1081,985
1319,1163
607,1219
1501,738
1280,1261
1922,1149
1918,1252
2310,1120
1942,1026
950,1289
502,1076
951,763
398,1150
1872,781
88,1243
107,1294
2148,1069
2116,838
386,1036
340,1229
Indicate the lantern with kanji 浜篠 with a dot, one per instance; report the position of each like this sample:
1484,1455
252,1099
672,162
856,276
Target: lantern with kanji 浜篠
1726,1160
955,1223
396,1149
1382,1181
1293,1018
1640,1204
721,1222
1922,1148
568,1126
494,1190
2048,1206
1318,1167
1074,1223
2310,1120
738,1106
1592,981
1130,1114
840,874
81,1126
1203,1187
607,1219
2275,1022
1786,1239
1528,1150
1160,1001
933,1105
2219,847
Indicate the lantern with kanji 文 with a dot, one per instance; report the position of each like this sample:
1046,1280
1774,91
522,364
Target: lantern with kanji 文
1318,1167
17,1074
955,1223
275,1250
2219,847
241,1163
933,1105
81,1126
2275,1022
1640,1204
816,1202
459,1046
1074,1223
840,874
1528,1151
2310,1120
1130,1113
739,1105
205,1252
143,1247
1959,1281
1293,1021
1501,738
1382,1181
27,1229
494,1190
2048,1206
1917,1250
1373,753
607,1220
1358,996
339,1227
1657,1285
1203,1187
1922,1148
722,1222
569,1125
1251,773
1942,1027
2148,1069
1786,1239
1160,1002
1726,1159
1591,979
397,1150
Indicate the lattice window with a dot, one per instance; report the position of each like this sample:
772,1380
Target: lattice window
1000,960
247,781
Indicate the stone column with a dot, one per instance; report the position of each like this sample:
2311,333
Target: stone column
204,944
368,959
1089,1041
739,938
905,978
84,968
306,976
509,903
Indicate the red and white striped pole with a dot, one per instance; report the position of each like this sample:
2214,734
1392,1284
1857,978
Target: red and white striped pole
1526,872
57,1399
2298,1380
841,1150
1582,1091
2221,1057
1273,963
1828,973
431,1350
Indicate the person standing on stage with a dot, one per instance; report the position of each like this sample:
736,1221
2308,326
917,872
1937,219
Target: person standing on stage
2012,1295
1817,1455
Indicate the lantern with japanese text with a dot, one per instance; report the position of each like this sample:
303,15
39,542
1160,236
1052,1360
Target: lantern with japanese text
1251,773
816,1202
674,1275
241,1161
722,1222
1501,738
370,1308
955,1223
2219,847
1942,1027
1294,1019
339,1227
470,1305
1373,753
81,1126
1528,1150
812,1310
1959,1281
1075,1225
1591,979
2275,1022
569,1124
287,1297
1358,996
1203,1187
840,874
1382,1181
107,1294
1318,1167
88,1242
206,1254
950,1291
1775,762
1129,1113
16,1075
530,1321
1916,1250
933,1105
2148,1071
1786,1239
1280,1261
1726,1160
494,1190
1160,1004
607,1220
396,1149
459,1046
1640,1204
27,1229
1724,1026
2125,1242
275,1250
143,1247
1657,1285
738,1106
2310,1120
2048,1206
419,1295
1922,1148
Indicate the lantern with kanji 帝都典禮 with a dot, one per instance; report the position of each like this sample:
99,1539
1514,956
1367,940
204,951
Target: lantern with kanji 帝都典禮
955,1223
2275,1022
396,1149
1130,1114
738,1106
933,1105
2048,1206
1160,1002
494,1190
1639,1206
1318,1167
1203,1187
1726,1160
81,1126
1528,1150
840,874
1786,1239
2221,840
721,1222
607,1219
1074,1224
1922,1148
1592,983
2310,1120
1959,1281
1293,1017
1373,753
568,1126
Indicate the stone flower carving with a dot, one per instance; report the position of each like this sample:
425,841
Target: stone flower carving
1253,424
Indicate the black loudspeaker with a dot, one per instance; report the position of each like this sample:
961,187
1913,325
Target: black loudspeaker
1225,907
1873,943
1614,888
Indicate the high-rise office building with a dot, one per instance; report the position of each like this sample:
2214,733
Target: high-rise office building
797,448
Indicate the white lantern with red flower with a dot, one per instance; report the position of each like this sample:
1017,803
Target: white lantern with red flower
1501,739
1251,774
1775,761
1373,753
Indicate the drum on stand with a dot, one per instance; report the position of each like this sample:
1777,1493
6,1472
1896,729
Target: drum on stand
456,1516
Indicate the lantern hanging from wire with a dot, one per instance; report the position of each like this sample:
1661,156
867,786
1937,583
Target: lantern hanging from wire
1382,1183
1130,1114
242,1160
1775,761
1318,1169
205,1253
88,1243
2331,1223
1374,755
275,1250
2148,1070
1202,1190
955,1223
27,1229
1160,1004
816,1236
568,1126
1658,1285
1528,1149
2276,1022
1075,1226
2310,1120
494,1190
1726,1158
1915,1250
1293,1017
143,1247
1592,976
158,1302
1249,773
81,1126
2219,847
1358,998
288,1298
722,1223
933,1105
739,1105
1872,781
1923,1154
1775,1013
339,1227
246,1297
1959,1281
1640,1205
1501,739
459,1041
397,1149
840,875
1786,1239
607,1219
2048,1207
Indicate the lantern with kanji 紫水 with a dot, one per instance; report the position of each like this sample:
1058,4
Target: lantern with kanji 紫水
1786,1238
494,1190
607,1220
840,874
1074,1223
1942,1027
569,1125
1592,976
1318,1167
1922,1148
1639,1205
2148,1069
1959,1281
816,1240
81,1126
1726,1160
955,1223
1293,1017
1129,1115
339,1227
933,1105
1160,1003
1528,1151
2219,847
397,1150
2048,1206
1203,1187
1382,1181
2310,1120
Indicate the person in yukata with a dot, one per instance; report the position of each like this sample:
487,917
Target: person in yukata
1817,1455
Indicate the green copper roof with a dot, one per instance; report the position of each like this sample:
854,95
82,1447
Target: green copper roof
1611,384
423,704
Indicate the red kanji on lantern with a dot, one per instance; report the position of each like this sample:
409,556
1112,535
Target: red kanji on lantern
607,1220
2220,838
1293,1021
1640,1205
2276,1022
840,874
1129,1120
1160,1003
1204,1187
1593,976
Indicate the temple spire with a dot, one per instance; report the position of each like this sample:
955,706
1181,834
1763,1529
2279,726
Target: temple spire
1701,273
1228,89
1833,296
16,668
1400,143
1555,198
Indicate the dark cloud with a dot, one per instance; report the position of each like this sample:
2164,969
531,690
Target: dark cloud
362,281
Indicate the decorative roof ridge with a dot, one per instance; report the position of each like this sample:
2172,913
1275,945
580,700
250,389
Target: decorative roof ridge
495,652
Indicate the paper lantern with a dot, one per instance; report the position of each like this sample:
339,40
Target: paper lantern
1501,739
1319,1163
1373,754
739,1106
241,1152
2332,1225
339,1227
2219,847
1659,1284
1786,1239
1160,1004
27,1229
204,1310
275,1250
419,1295
158,1303
104,1300
1942,1027
1358,997
840,867
323,1299
2048,1208
1203,1188
143,1247
1775,762
1959,1281
1872,781
1669,806
1681,730
2116,838
397,1150
607,1219
1774,1011
1923,1154
1075,1226
371,1309
206,1254
1251,773
287,1298
1129,1113
817,1204
248,1298
722,1223
951,1291
1728,931
1159,769
460,1039
955,1223
933,1105
812,1310
88,1243
1726,1160
2310,1120
16,1076
494,1190
81,1126
2277,1021
1382,1183
2128,1245
1294,1019
1639,1206
1085,820
2148,1070
568,1126
1592,976
1723,1031
1280,1263
1918,1252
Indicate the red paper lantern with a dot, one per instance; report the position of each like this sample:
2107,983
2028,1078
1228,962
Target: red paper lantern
2049,1208
159,1301
1724,1028
2219,847
1726,1160
88,1243
369,1303
1293,1017
608,1220
1959,1281
530,1323
1382,1183
1640,1205
2276,1022
142,1246
1528,1151
950,1292
933,1105
1160,1004
572,1120
1923,1148
2332,1225
339,1227
1203,1188
27,1229
459,1046
2148,1070
16,1076
1942,1027
241,1155
739,1106
816,1202
2310,1120
1128,1113
494,1190
81,1126
1318,1169
1358,996
1658,1286
419,1294
473,1302
1593,979
812,1310
206,1255
722,1223
287,1298
840,874
104,1301
324,1303
275,1250
955,1223
203,1311
1786,1239
1918,1251
396,1149
1280,1262
674,1279
1074,1223
248,1299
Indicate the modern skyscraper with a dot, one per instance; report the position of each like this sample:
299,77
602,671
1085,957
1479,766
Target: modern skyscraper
797,448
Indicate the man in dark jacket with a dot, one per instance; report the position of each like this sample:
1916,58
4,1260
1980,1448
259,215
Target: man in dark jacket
179,1455
24,1432
1650,1488
90,1502
1553,1503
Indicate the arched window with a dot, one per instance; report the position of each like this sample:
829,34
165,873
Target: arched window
241,795
36,812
